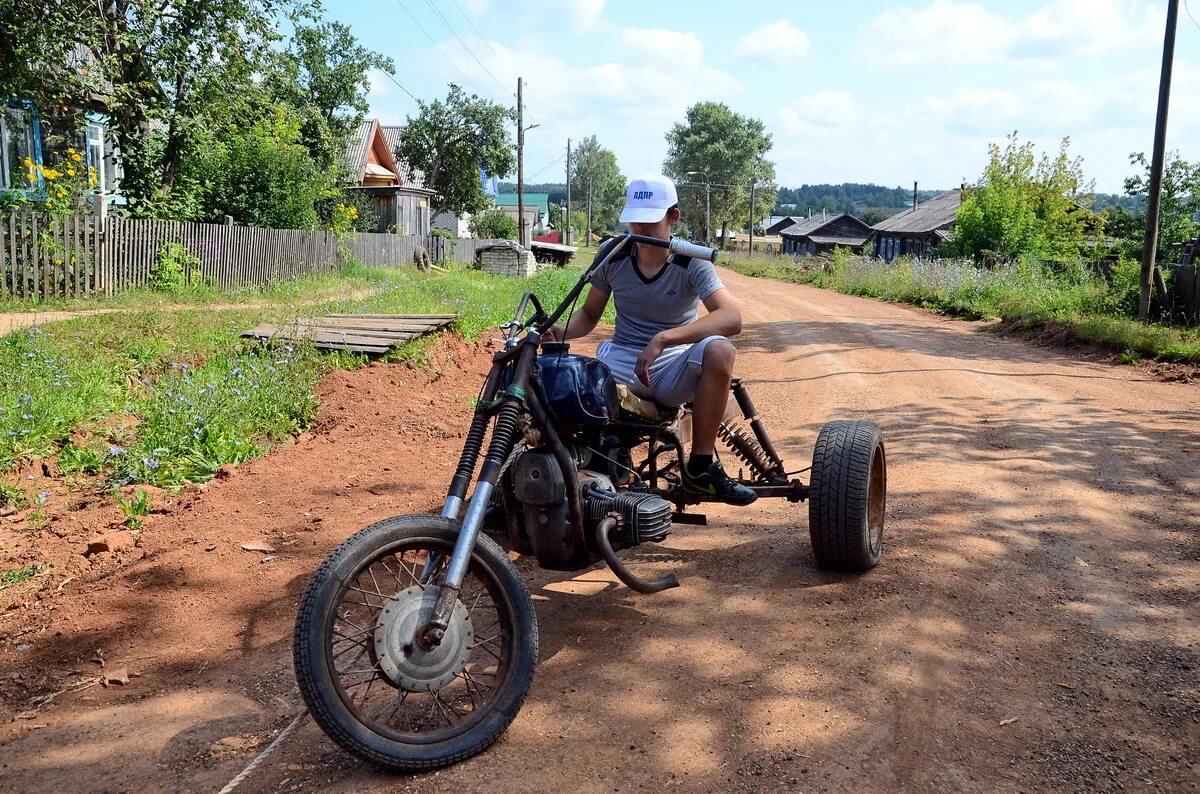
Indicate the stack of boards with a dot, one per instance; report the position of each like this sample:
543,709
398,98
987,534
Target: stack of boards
360,333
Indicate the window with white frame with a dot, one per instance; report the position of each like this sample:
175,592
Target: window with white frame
16,137
103,156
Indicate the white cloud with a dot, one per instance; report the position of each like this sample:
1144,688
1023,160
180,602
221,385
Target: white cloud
379,84
779,42
832,110
950,31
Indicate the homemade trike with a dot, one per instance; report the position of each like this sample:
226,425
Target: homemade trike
416,640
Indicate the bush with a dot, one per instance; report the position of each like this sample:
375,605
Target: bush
263,177
443,233
173,268
494,224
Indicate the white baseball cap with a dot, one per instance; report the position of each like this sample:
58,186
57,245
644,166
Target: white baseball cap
648,198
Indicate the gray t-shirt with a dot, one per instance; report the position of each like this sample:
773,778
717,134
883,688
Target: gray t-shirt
647,306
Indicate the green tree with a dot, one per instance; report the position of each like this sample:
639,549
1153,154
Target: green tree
1178,212
1025,206
874,215
596,178
727,151
494,224
265,177
450,141
176,76
324,76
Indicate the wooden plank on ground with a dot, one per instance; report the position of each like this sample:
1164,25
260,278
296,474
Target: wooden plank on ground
366,334
431,317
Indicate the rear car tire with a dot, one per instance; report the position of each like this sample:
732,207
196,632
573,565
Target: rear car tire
848,496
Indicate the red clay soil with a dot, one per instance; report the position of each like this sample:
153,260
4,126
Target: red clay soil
1033,625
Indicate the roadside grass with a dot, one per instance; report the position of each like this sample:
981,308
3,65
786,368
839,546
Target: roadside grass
167,397
352,279
1028,295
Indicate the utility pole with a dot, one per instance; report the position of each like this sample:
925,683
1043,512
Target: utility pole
587,233
708,214
1154,189
567,222
520,168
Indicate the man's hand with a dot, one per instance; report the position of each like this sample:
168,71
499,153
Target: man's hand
647,359
554,334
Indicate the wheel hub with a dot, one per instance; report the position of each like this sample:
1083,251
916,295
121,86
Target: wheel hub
402,659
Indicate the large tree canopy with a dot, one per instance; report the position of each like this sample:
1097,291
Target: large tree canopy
727,151
596,177
1025,206
450,141
323,76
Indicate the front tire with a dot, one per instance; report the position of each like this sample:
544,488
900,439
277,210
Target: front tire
369,690
848,496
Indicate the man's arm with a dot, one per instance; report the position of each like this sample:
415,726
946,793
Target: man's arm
723,319
584,319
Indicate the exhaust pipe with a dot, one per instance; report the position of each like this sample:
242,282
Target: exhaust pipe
627,577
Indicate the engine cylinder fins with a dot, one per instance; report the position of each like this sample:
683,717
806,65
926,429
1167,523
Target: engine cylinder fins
645,518
747,450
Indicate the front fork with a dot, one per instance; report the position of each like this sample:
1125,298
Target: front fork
504,435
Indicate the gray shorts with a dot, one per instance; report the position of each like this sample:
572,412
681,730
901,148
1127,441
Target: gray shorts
673,375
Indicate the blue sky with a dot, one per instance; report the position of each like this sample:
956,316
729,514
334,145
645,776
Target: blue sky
860,91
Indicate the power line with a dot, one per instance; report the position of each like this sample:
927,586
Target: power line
1189,13
402,88
454,33
438,47
509,63
555,162
477,33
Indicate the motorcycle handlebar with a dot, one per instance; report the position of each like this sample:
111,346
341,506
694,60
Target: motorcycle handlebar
677,245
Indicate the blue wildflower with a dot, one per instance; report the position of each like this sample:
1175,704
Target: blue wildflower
116,451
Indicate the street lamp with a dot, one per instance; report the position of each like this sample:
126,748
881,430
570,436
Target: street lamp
707,205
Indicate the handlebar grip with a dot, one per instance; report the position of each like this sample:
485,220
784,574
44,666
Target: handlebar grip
684,248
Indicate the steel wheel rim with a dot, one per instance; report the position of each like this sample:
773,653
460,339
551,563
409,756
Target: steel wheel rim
876,499
365,690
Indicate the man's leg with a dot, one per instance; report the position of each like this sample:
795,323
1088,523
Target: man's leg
702,374
712,394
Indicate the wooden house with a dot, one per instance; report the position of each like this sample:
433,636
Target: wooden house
399,194
917,231
777,224
822,233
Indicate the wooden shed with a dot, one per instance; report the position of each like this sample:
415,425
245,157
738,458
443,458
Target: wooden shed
917,231
822,233
400,197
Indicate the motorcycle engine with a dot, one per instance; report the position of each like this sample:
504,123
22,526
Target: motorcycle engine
540,487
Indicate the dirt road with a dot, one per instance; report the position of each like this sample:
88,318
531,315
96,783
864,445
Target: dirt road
1034,624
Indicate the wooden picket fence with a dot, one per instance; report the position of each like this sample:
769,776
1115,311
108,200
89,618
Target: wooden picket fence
79,255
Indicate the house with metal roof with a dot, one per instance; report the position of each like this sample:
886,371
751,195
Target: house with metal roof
539,217
398,192
822,233
919,230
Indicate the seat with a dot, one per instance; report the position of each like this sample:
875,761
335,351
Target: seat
644,409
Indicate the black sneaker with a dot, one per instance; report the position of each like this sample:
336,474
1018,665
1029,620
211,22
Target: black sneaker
715,482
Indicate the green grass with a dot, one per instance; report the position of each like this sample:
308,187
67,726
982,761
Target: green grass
354,278
163,397
16,576
1028,294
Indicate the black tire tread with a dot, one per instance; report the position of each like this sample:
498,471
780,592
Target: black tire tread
838,495
310,614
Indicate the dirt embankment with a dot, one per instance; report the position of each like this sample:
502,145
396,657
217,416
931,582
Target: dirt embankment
1034,625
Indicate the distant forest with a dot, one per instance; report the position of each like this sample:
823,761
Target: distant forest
874,201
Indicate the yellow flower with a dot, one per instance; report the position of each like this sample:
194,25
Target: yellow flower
76,157
32,177
58,261
70,172
70,151
50,173
27,162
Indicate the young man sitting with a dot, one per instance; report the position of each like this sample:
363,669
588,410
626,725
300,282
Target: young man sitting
659,347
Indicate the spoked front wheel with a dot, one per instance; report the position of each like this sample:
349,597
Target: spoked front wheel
372,687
